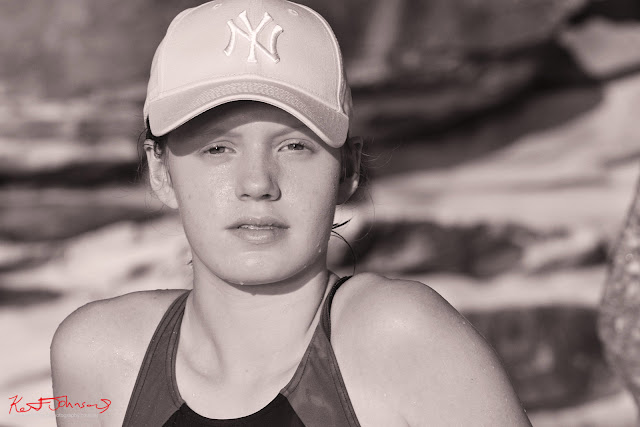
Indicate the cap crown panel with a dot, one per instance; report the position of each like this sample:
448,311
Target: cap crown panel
306,60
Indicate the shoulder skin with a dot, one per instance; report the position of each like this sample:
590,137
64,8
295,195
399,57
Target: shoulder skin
408,358
98,349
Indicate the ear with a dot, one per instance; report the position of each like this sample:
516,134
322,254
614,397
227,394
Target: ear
159,177
349,184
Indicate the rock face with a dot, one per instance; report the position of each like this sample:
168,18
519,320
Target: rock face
619,322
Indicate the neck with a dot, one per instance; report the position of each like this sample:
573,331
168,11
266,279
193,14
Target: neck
243,331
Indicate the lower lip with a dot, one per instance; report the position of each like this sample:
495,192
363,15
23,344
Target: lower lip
259,236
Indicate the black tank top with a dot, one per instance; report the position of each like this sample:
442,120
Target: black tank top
316,395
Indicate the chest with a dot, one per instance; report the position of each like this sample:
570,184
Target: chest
328,387
118,381
369,409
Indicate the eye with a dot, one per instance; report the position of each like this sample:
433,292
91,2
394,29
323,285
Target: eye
295,145
217,149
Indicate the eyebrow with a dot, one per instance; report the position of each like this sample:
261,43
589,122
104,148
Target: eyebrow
216,132
297,128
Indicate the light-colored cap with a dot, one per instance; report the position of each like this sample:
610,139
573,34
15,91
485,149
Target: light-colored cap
271,51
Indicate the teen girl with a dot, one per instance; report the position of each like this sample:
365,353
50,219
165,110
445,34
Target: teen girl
248,114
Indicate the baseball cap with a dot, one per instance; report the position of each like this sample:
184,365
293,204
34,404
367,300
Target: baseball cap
272,51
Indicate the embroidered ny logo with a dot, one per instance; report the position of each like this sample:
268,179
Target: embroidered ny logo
252,36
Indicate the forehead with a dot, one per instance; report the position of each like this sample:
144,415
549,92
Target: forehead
234,115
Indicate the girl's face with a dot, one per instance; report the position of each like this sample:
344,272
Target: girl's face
256,190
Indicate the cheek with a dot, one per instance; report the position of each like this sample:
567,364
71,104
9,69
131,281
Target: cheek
313,191
200,192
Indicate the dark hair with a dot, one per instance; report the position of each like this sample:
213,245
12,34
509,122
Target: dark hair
159,142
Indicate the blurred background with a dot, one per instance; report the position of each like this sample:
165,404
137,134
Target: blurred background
502,154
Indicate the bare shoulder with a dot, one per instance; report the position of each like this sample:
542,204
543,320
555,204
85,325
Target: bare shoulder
403,346
116,321
387,304
98,349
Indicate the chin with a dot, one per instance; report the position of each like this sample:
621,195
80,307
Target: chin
253,271
255,277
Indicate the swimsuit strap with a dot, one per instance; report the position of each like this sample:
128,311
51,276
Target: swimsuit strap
326,310
317,391
153,398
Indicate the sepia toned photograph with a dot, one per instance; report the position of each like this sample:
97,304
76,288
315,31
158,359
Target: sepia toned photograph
334,213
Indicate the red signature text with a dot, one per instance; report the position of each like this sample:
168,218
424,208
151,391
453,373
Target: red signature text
53,403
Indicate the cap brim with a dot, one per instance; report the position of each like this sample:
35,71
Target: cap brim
172,110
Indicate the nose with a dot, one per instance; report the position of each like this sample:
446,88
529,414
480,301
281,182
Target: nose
257,178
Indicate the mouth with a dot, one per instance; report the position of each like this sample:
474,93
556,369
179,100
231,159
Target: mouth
259,231
259,227
258,223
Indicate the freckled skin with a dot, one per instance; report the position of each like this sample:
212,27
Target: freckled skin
253,159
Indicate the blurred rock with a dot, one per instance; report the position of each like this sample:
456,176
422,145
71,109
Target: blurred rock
86,119
603,48
575,248
83,174
67,163
616,410
552,353
617,10
16,256
440,60
543,328
449,60
578,287
76,142
405,247
476,250
52,214
552,199
67,47
418,68
27,297
116,259
577,173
